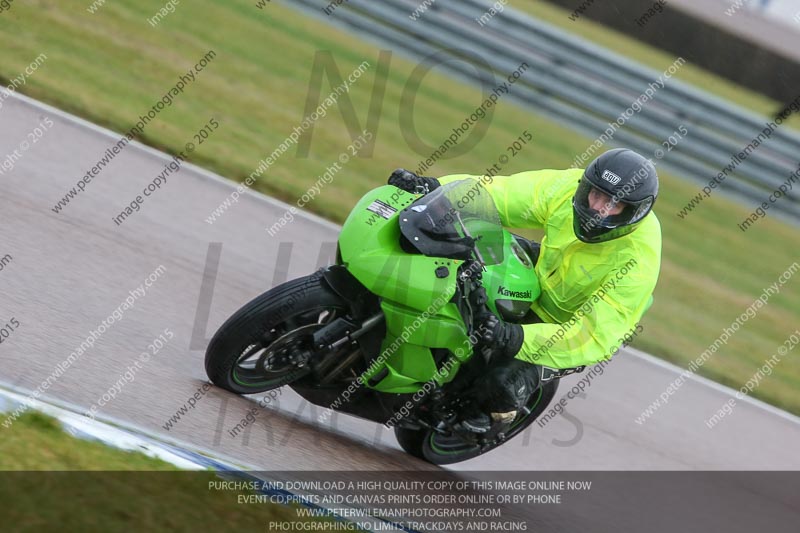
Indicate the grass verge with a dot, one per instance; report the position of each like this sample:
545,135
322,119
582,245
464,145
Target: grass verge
49,479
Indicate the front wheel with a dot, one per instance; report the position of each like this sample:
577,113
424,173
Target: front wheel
442,449
267,343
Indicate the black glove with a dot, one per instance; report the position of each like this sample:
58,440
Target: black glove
503,340
410,182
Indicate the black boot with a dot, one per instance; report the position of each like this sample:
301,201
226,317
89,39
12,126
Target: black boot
475,422
500,395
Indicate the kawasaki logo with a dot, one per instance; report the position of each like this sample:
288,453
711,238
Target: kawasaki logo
513,294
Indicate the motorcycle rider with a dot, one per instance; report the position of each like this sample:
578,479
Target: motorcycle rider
598,266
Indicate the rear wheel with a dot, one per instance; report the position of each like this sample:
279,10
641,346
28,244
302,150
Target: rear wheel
267,343
438,448
411,440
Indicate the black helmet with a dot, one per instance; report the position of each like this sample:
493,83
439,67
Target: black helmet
630,180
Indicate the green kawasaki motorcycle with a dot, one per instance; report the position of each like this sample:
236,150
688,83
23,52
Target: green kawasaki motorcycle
388,332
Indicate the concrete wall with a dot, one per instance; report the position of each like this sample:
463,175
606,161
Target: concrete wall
754,65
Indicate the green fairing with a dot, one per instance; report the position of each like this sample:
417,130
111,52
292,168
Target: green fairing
415,300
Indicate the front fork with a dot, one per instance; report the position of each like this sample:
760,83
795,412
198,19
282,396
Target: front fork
362,328
366,329
338,333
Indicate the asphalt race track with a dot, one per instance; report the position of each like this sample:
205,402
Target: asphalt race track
71,270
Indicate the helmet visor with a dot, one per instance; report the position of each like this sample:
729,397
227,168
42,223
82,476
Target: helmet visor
614,211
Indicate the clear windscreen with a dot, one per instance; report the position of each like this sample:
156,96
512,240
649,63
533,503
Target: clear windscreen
455,220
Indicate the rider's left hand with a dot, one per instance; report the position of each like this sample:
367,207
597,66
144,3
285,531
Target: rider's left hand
410,182
503,339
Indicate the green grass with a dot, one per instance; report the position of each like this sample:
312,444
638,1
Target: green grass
49,479
37,442
111,67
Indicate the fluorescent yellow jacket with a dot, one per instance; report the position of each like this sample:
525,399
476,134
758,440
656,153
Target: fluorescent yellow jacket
592,294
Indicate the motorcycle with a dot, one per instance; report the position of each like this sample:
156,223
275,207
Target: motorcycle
388,333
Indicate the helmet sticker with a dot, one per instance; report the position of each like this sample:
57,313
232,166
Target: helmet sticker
610,177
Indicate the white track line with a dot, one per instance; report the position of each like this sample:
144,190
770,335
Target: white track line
327,223
44,401
714,385
165,157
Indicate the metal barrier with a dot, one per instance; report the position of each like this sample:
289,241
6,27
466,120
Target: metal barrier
585,87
